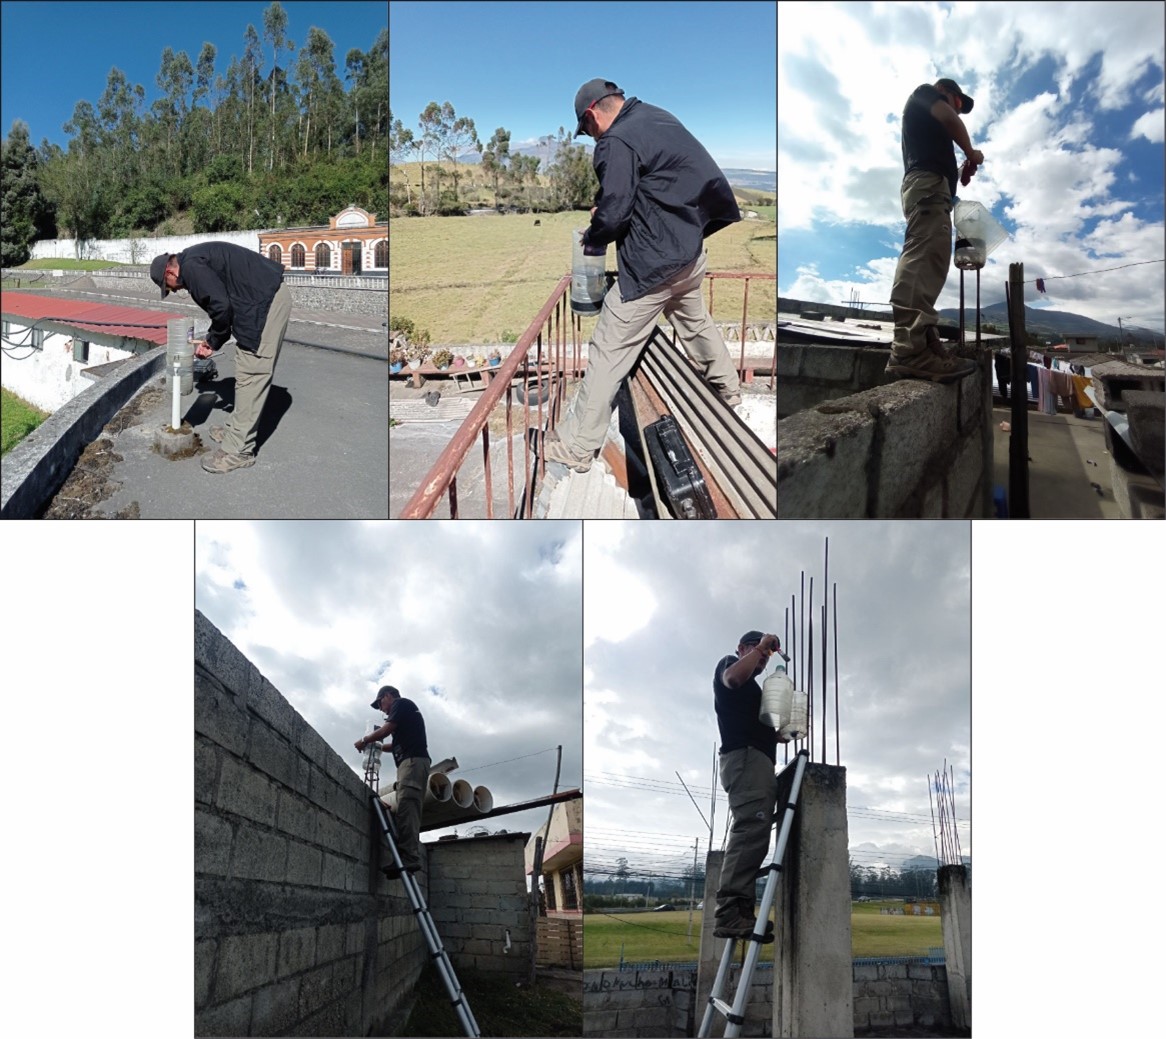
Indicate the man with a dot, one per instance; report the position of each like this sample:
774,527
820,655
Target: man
748,757
931,122
411,756
243,294
660,195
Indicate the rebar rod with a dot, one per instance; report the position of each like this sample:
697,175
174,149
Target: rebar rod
837,745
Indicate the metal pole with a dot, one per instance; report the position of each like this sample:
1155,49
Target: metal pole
825,601
810,680
1018,507
837,747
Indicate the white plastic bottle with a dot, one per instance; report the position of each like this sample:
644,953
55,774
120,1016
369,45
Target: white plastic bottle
776,694
797,727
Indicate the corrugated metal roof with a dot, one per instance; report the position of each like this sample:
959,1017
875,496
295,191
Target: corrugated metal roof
81,313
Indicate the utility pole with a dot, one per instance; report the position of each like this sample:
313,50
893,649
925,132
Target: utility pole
691,885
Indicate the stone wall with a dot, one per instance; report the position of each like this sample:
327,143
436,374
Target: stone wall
899,995
296,930
908,449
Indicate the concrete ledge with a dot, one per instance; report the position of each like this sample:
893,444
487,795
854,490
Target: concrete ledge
907,449
35,469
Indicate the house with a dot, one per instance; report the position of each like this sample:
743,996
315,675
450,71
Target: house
562,861
354,242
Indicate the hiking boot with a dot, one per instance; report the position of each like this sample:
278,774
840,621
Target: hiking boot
554,450
217,433
731,399
927,364
221,462
936,344
738,926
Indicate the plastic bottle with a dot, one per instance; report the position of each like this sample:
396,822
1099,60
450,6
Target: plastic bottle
797,728
776,696
372,753
588,281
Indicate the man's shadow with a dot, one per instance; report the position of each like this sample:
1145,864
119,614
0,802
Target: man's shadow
220,393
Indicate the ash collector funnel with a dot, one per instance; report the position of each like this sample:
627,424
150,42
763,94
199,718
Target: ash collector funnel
977,234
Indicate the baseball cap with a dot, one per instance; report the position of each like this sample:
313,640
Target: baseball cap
381,693
750,638
590,92
158,273
950,84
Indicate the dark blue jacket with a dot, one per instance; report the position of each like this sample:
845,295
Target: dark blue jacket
660,195
235,286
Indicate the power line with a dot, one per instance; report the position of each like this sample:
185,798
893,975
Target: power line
1104,270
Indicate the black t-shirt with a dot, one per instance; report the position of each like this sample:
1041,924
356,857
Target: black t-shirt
737,714
926,144
409,735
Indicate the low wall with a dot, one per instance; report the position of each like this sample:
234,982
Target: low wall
34,469
560,942
908,449
661,1003
479,902
296,930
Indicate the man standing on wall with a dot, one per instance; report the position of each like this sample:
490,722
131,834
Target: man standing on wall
660,196
411,756
931,122
748,761
244,295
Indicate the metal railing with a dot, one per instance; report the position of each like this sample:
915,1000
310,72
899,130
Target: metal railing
542,363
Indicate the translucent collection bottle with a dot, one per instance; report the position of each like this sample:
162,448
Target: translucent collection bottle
372,753
782,706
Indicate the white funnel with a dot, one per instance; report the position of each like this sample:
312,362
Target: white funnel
977,233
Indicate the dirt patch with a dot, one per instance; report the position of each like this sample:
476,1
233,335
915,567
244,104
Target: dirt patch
91,482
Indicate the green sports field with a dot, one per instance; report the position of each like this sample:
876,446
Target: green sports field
663,936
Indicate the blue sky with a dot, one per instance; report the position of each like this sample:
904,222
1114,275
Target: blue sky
41,84
518,66
1069,116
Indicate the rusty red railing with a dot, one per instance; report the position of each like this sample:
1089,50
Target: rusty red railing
541,363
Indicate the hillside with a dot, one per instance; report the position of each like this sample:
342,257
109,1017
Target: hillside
1045,322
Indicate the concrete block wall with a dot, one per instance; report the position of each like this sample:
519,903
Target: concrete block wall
646,1003
908,449
296,930
808,374
899,995
477,895
650,1004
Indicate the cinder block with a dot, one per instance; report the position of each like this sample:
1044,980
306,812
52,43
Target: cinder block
336,873
204,963
245,792
316,991
920,972
822,458
218,715
866,972
303,864
232,1018
329,943
275,1008
297,951
964,480
245,962
789,361
829,364
599,1022
296,817
272,754
915,423
893,971
212,843
206,771
864,1006
258,855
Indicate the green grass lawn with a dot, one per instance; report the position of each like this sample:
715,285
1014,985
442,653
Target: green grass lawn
474,279
18,418
663,936
66,264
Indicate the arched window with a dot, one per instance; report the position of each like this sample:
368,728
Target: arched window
323,257
382,255
297,256
275,253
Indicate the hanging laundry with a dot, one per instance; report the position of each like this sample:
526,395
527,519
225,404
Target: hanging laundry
1040,285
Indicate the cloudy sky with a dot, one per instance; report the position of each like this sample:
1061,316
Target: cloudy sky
477,623
663,603
1068,113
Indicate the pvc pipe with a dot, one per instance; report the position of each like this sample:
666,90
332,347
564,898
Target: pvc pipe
483,799
463,793
175,419
437,791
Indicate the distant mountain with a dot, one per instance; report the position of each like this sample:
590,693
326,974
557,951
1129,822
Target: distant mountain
1053,323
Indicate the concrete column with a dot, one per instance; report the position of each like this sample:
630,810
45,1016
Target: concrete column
813,991
955,906
711,949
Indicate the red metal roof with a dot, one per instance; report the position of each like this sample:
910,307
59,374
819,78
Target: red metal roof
80,313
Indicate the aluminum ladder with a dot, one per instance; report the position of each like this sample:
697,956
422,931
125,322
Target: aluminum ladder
735,1013
457,997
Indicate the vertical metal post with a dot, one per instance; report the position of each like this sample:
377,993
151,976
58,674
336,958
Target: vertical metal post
1018,507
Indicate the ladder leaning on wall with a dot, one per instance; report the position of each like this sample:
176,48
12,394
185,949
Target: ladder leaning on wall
457,997
735,1013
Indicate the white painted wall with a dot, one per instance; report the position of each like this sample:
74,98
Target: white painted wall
136,250
49,378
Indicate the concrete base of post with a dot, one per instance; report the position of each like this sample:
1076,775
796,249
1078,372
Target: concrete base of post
813,993
955,906
711,949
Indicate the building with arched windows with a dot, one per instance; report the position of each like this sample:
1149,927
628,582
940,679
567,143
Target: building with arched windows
352,243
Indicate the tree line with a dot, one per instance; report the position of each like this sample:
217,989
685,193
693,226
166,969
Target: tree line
442,137
278,138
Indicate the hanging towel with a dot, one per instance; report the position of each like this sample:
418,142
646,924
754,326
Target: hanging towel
1046,399
1079,384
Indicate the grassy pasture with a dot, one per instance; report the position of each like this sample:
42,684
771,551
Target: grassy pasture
18,418
473,279
663,936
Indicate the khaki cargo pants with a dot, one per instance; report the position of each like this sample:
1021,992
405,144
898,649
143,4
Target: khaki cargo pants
253,374
749,778
620,335
412,779
925,261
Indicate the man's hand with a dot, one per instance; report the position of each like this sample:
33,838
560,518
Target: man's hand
359,745
202,348
769,644
976,158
